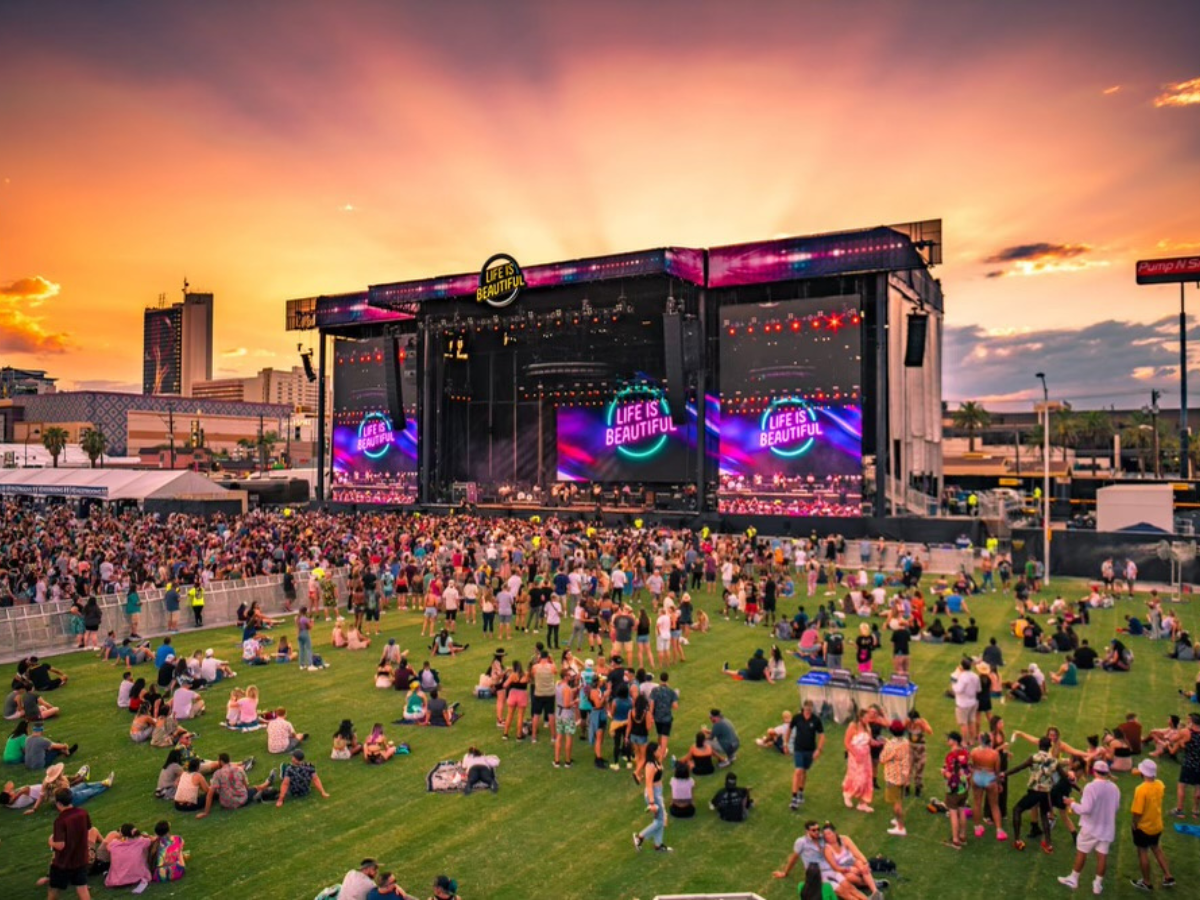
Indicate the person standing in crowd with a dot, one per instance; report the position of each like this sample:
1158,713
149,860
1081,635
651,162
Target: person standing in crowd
652,781
69,842
196,601
1189,772
1097,811
1147,812
304,640
806,738
956,769
897,768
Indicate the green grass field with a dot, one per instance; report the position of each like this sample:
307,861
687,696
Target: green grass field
566,833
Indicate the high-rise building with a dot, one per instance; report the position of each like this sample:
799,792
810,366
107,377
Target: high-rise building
177,345
162,349
287,387
197,341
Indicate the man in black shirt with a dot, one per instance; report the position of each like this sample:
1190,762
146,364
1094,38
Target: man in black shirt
806,737
972,632
955,634
44,676
1085,657
1026,688
756,669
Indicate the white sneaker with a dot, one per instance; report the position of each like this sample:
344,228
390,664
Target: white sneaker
898,832
1097,885
1069,881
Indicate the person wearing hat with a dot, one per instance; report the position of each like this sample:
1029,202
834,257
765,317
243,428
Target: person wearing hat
1147,812
299,778
1097,811
445,888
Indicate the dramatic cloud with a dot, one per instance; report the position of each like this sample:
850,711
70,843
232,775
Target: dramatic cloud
1107,363
1042,259
31,291
1181,93
22,333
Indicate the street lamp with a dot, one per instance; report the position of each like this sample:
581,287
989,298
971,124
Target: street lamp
1041,376
36,432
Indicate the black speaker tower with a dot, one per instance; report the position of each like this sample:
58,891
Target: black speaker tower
393,378
914,349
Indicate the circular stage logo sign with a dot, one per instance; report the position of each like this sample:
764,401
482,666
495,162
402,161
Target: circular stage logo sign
375,435
500,281
789,427
638,422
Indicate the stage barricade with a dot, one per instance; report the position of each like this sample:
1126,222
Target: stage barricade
43,628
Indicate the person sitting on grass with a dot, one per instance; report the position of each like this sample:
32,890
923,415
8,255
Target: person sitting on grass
777,734
1118,658
41,752
284,652
53,781
1164,738
438,711
682,787
1067,674
757,669
701,756
443,644
130,654
338,636
415,703
383,674
356,640
847,860
345,742
1025,688
299,778
230,786
167,858
282,737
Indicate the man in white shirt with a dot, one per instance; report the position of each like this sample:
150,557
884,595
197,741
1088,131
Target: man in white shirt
450,598
359,882
186,704
662,629
618,584
966,686
281,736
1097,811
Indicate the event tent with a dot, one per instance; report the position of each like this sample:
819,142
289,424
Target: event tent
108,484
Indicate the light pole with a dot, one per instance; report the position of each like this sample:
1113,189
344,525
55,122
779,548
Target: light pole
1045,477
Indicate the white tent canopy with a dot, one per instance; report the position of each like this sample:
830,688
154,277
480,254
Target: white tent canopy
107,484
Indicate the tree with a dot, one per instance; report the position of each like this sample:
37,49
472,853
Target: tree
1064,427
1138,435
266,441
971,417
1095,427
247,446
93,443
54,439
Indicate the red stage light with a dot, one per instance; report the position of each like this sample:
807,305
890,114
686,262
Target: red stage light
816,323
855,319
835,322
795,325
732,332
750,330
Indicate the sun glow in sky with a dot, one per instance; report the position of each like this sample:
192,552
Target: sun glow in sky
266,151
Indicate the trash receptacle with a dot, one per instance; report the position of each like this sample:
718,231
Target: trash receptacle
898,700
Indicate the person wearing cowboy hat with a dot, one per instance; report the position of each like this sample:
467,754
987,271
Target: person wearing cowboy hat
55,780
1097,811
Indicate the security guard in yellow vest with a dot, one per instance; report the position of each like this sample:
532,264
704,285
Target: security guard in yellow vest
196,598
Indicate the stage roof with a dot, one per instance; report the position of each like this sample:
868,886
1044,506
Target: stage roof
885,248
107,484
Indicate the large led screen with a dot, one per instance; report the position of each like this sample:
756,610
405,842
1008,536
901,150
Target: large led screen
374,460
627,438
791,411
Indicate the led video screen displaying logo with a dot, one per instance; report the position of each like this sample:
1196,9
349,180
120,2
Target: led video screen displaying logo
791,411
628,437
374,461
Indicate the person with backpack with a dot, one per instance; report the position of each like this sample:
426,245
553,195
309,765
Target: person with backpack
732,803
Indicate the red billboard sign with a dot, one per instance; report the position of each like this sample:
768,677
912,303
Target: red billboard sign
1168,271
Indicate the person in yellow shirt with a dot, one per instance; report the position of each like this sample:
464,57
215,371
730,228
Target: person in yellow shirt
1147,812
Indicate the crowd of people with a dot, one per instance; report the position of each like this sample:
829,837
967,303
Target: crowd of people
625,600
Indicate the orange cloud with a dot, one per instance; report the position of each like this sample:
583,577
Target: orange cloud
1042,259
21,333
1180,93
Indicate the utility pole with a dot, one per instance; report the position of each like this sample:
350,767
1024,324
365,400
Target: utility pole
262,450
171,429
1154,395
1045,477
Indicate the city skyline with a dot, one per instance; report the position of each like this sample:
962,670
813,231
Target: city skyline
268,153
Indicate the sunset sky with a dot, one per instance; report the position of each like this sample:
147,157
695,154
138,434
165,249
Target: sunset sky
271,150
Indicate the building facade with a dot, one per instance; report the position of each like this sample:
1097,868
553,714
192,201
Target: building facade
177,346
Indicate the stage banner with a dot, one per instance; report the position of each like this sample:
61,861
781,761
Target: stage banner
629,437
374,459
791,410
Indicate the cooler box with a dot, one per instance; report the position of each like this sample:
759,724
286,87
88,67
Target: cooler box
814,686
898,700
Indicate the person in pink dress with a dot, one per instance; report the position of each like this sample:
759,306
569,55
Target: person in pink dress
858,785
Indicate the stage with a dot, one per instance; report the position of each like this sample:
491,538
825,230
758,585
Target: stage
783,380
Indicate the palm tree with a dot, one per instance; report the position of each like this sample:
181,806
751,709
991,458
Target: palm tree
1096,428
1138,435
93,443
54,439
971,417
266,441
247,445
1064,427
